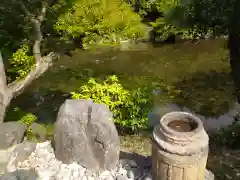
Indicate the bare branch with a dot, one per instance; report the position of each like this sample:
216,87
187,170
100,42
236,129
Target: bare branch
41,66
43,12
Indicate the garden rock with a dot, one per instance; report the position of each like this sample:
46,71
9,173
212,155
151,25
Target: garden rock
20,154
85,133
11,133
209,175
134,173
121,177
39,131
4,158
20,175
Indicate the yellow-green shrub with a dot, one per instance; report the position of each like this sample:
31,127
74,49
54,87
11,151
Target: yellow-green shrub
130,108
21,63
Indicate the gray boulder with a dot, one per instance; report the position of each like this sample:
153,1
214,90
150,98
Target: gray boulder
85,133
39,131
19,154
20,175
4,158
11,133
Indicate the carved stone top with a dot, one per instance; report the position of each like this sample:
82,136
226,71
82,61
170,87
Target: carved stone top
181,133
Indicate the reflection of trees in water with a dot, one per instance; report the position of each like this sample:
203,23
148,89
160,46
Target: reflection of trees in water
208,93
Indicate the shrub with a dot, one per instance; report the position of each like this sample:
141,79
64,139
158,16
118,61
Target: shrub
130,108
16,114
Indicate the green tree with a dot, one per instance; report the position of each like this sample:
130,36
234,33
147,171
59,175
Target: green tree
26,26
222,17
22,26
102,22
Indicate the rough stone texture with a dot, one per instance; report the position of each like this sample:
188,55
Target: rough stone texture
4,158
11,133
85,133
179,155
20,175
20,154
39,131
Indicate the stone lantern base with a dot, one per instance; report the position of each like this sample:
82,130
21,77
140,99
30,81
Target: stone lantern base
180,148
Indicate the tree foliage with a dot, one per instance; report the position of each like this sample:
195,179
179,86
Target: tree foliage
100,22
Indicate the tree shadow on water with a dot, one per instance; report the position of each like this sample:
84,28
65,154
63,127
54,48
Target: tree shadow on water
208,93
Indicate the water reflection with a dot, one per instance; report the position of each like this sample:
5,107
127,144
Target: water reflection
210,123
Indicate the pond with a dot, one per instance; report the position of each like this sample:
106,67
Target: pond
199,70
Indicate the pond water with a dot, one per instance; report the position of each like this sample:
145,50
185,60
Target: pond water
199,70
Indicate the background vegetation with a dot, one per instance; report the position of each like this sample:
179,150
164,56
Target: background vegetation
88,24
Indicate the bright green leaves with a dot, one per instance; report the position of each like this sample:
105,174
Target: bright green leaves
21,62
130,108
100,22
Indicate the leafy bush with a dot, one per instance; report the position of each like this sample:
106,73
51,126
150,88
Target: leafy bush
101,22
130,108
21,63
16,114
142,7
175,20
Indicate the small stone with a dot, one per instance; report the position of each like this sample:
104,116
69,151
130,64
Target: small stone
130,174
209,175
122,171
121,177
104,174
90,173
148,176
109,178
134,173
128,162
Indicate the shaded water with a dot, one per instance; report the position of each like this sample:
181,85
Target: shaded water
199,70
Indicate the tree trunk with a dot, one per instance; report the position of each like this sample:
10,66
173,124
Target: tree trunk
9,91
5,99
234,53
3,109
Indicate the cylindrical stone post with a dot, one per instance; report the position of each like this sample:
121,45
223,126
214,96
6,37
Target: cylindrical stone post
179,148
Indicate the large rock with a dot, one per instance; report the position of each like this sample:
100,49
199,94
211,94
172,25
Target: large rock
11,133
4,158
85,133
20,154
